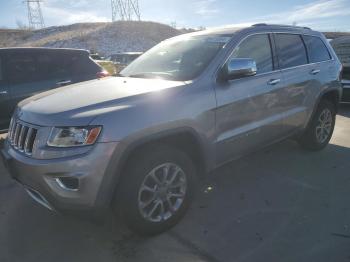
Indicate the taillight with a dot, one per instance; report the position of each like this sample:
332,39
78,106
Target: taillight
102,74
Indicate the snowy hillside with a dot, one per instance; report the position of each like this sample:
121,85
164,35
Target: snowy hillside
105,38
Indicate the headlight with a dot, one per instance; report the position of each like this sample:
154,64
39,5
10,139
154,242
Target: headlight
73,136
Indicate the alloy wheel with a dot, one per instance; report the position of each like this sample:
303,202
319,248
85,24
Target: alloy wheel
162,192
324,126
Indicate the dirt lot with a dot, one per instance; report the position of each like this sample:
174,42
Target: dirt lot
281,204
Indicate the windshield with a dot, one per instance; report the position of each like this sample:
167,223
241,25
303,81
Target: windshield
179,59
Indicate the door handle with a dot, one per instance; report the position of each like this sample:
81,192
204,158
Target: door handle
3,92
64,82
273,82
315,71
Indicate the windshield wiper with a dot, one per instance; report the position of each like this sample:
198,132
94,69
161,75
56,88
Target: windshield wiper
143,75
120,75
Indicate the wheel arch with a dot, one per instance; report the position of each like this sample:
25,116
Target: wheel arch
185,139
333,95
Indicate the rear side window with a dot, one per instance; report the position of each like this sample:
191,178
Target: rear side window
21,68
53,65
317,50
82,64
256,47
291,50
62,65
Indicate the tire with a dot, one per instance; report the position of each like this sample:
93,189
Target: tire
142,198
312,139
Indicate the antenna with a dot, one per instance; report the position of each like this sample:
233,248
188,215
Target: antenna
35,16
125,10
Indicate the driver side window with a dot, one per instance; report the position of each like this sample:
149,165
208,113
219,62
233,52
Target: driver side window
256,47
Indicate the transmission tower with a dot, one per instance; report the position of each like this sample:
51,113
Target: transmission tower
35,16
125,10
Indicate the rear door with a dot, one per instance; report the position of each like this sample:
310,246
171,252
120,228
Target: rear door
4,99
299,86
322,68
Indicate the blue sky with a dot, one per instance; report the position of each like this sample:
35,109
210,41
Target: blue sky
318,14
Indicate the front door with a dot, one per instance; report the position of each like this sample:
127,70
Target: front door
248,113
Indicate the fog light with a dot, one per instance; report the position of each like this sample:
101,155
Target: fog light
68,183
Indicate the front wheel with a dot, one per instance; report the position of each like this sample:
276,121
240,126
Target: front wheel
320,130
157,190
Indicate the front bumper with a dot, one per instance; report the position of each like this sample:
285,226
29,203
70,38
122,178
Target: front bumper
39,177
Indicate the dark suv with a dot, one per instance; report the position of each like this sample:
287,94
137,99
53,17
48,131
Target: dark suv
27,71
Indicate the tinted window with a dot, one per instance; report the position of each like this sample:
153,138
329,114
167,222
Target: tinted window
291,50
21,68
256,47
56,65
53,65
82,64
316,49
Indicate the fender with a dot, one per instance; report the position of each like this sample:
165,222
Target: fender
318,100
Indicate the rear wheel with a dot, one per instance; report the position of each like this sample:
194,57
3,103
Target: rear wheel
320,130
156,190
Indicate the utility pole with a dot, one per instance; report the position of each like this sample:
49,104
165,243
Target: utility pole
35,16
125,10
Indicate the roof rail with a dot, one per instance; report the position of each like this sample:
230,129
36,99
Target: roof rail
287,26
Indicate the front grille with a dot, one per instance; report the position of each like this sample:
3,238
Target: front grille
22,136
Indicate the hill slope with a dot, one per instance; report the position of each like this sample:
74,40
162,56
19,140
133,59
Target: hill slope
105,38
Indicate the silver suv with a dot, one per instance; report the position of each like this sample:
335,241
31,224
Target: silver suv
139,142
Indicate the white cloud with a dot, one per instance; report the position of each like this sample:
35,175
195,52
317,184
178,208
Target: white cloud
311,12
205,7
315,14
57,15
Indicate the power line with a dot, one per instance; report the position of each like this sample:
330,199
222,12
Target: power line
35,15
125,10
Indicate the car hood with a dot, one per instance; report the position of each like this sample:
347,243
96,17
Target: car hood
80,103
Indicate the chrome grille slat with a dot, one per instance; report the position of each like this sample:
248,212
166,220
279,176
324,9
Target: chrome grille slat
22,136
15,140
13,130
21,139
27,149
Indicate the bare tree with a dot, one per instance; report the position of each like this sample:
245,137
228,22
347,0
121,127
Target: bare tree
21,25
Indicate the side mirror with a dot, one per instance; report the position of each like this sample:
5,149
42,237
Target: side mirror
239,68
